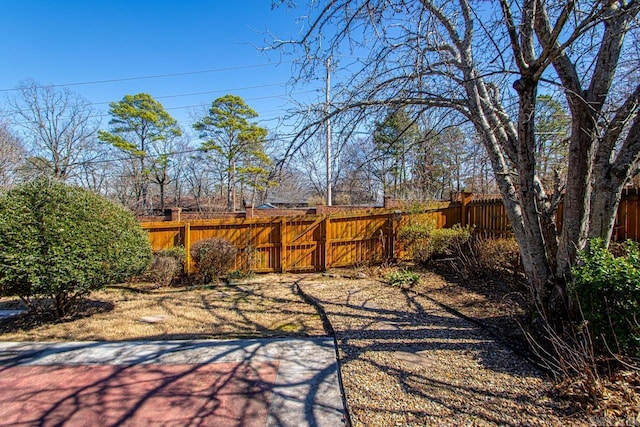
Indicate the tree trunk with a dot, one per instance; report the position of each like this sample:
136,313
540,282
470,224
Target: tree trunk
162,185
533,237
604,202
231,187
575,218
610,175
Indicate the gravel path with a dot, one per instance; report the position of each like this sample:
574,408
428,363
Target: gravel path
406,361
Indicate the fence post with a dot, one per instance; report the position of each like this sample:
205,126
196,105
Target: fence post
187,248
395,218
175,214
283,244
465,198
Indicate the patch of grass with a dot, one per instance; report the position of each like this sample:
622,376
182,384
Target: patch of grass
289,327
403,277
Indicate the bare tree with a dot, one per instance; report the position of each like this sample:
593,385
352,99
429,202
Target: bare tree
11,155
488,62
58,125
99,174
361,177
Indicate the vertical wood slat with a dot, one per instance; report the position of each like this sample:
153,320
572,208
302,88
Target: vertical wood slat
488,216
327,242
631,228
188,262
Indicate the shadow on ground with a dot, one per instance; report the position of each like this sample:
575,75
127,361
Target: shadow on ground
407,360
222,383
221,311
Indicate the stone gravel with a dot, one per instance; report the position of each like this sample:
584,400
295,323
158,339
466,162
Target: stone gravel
406,361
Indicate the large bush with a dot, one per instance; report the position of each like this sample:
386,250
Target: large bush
424,242
608,291
213,258
59,243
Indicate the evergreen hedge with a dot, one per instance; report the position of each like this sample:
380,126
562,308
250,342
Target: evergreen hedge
58,243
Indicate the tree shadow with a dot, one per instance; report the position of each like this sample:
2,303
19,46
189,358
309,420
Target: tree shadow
248,312
223,383
30,320
503,306
224,311
412,348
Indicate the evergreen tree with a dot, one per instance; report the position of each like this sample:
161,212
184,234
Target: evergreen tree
139,125
228,133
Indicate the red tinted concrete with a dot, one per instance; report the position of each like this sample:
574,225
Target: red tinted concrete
215,394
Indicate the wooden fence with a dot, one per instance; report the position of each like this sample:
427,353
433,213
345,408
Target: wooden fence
628,217
318,242
488,215
279,244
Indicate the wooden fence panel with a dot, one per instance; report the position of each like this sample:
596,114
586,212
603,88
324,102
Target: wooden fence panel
451,215
489,218
357,240
165,235
273,244
628,217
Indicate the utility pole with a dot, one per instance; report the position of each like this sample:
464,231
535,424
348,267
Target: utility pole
328,130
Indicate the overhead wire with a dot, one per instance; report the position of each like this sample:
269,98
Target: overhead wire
157,76
105,114
179,95
278,137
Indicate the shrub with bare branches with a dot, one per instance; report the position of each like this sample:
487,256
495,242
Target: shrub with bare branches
213,258
167,266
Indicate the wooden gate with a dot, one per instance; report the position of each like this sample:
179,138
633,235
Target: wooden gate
303,243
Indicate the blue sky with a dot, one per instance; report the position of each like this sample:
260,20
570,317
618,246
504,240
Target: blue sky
62,42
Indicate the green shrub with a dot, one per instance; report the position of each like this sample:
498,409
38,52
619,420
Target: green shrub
213,258
608,291
424,242
414,232
58,243
447,241
415,240
167,266
403,277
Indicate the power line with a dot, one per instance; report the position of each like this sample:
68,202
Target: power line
279,137
206,93
158,76
200,105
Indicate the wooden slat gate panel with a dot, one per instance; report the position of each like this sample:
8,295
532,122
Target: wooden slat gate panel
258,241
303,244
274,244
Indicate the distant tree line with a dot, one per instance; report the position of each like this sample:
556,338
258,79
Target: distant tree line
144,159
